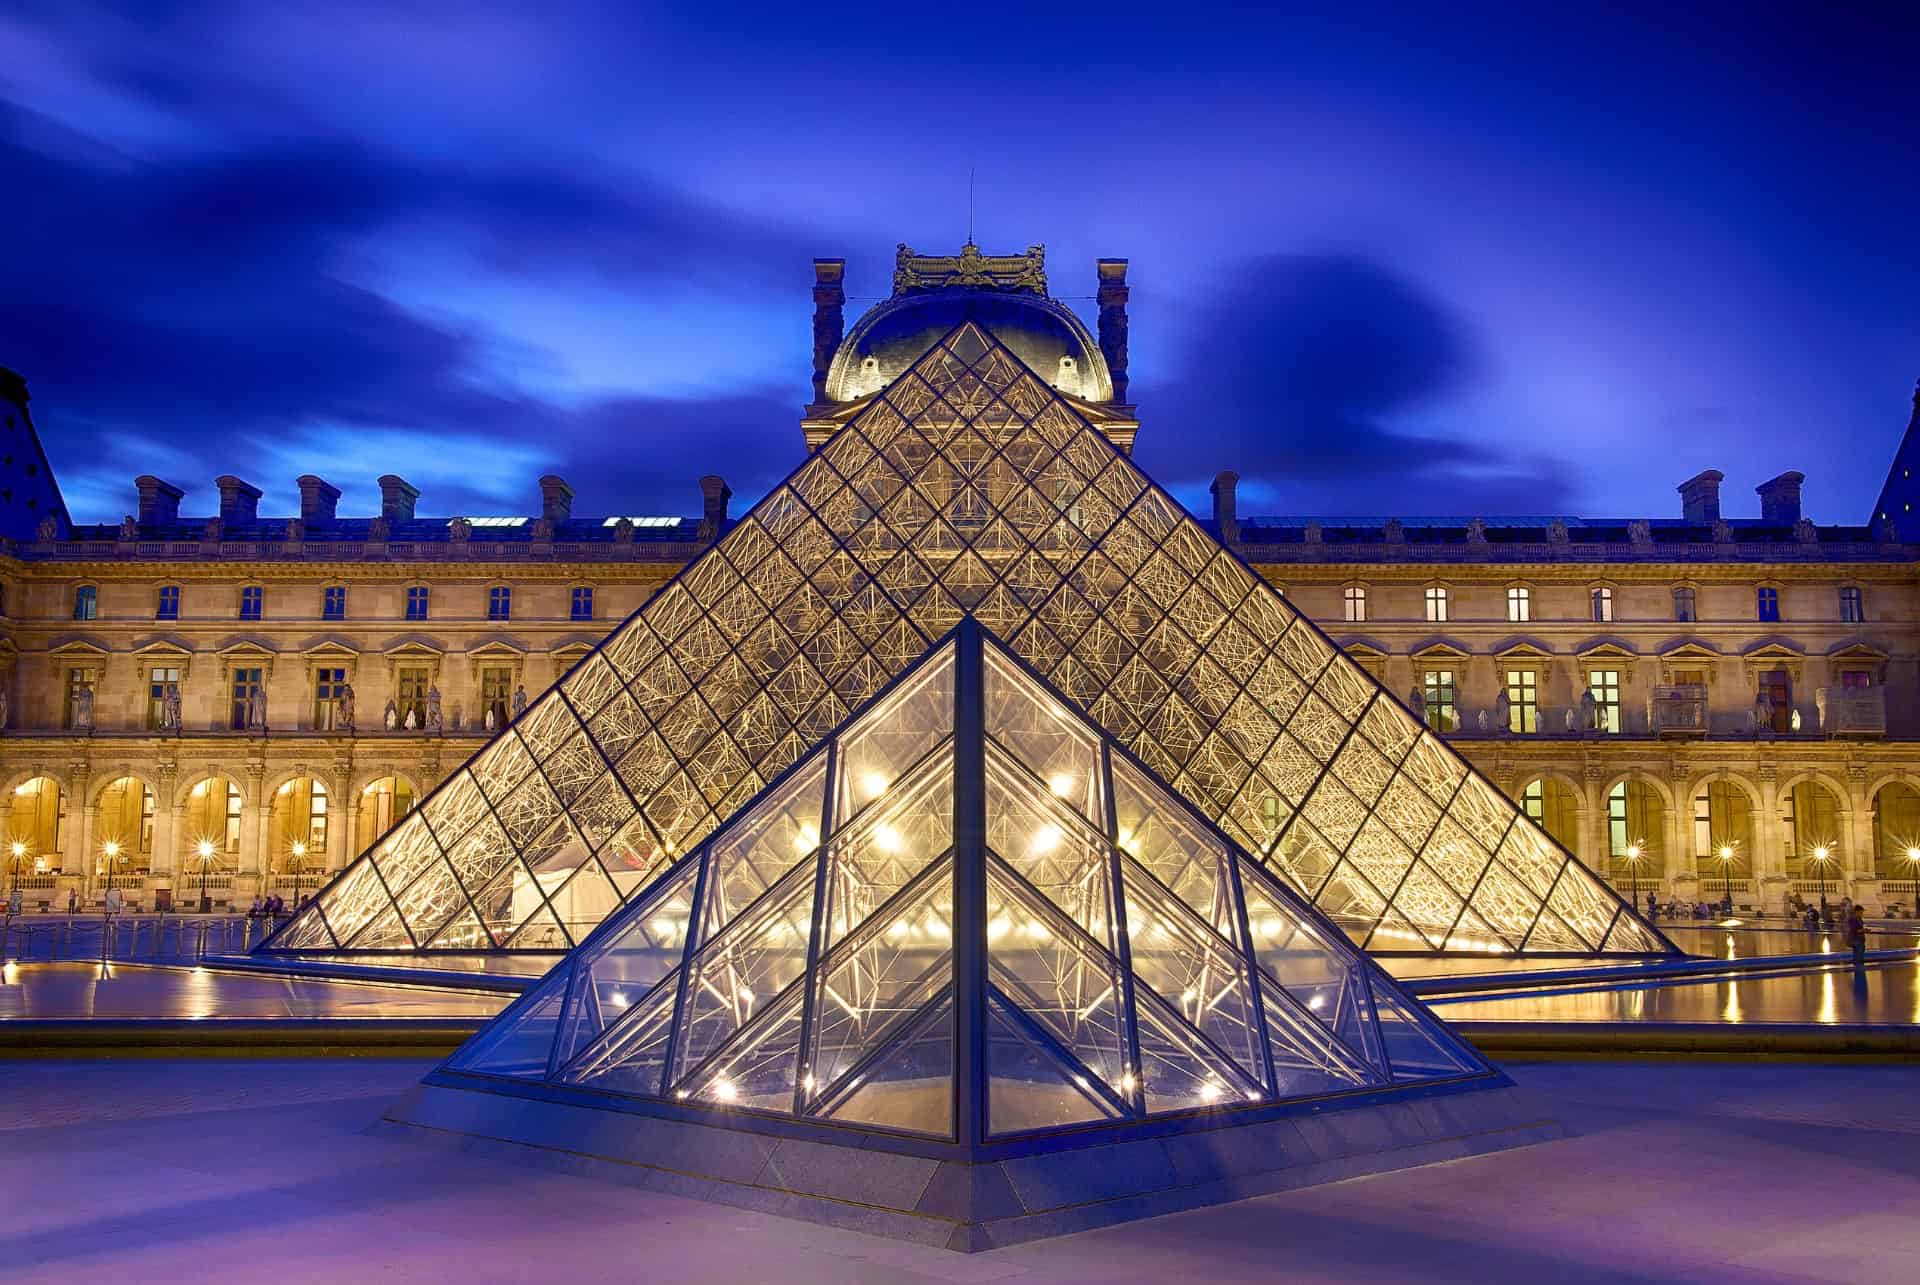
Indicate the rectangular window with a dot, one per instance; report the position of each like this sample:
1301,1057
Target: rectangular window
496,690
412,683
1852,605
1356,598
1437,685
327,690
333,602
77,681
244,684
1855,680
582,604
1605,686
416,602
1523,700
1603,604
1766,604
500,603
86,602
252,598
1519,605
1683,608
168,608
161,680
1437,605
1617,821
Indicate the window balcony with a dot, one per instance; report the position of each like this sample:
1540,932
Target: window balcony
1852,711
1678,711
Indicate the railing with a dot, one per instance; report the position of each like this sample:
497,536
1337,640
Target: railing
131,938
1852,711
1680,710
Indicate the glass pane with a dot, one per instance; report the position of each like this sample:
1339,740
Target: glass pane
631,959
911,1086
892,737
1039,732
901,959
521,1039
1307,1060
888,845
1293,953
745,968
1029,1086
1161,835
631,1055
1177,1070
1063,983
1416,1046
753,852
759,1069
1051,848
1198,974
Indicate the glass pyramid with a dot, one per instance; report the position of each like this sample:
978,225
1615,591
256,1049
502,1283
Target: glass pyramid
967,488
967,914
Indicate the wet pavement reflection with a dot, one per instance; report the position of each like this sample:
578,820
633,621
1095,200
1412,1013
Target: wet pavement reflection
1835,995
136,992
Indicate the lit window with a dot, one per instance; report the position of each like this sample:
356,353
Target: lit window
1853,607
500,603
1857,680
1605,686
168,607
77,680
1603,604
583,604
329,685
1523,700
86,603
1617,820
245,682
1766,604
1437,686
417,602
1519,604
252,598
1356,603
496,690
161,680
1437,604
333,602
1683,604
412,684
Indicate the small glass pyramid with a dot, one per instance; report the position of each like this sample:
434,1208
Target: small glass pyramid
967,914
967,489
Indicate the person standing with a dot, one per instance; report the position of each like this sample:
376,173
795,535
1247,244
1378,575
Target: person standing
1857,935
1653,908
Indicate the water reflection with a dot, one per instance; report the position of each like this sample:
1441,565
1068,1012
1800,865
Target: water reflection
1886,994
125,991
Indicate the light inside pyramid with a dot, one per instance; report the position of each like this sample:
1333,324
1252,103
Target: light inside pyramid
968,489
1099,953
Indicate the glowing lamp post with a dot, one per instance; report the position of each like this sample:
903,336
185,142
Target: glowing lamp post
18,852
204,850
1726,874
1633,872
1821,853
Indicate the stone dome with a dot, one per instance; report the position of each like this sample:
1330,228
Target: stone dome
1041,332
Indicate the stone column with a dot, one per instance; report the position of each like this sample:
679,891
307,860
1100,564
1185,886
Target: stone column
342,838
84,854
1771,884
253,829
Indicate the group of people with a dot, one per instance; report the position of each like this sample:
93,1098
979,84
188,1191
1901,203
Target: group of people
273,906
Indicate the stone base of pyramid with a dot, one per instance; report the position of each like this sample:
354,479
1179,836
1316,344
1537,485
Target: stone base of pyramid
955,1204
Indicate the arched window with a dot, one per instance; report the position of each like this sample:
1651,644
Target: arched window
382,803
123,828
1437,604
1356,603
1812,823
1636,825
36,827
1551,805
1896,833
1603,604
1722,832
297,827
211,825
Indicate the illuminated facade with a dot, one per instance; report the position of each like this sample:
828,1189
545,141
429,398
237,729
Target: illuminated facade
1677,627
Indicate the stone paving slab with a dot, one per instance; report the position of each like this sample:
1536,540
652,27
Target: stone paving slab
1741,1172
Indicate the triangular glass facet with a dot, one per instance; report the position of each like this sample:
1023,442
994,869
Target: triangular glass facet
1031,1085
971,487
909,1086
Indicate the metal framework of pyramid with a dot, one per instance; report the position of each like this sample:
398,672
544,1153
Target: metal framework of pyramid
967,489
967,926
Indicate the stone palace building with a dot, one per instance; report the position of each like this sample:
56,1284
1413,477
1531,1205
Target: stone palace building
218,704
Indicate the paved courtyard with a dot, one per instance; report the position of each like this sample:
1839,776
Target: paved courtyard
161,1170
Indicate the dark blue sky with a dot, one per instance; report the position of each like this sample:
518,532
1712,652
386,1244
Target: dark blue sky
1420,260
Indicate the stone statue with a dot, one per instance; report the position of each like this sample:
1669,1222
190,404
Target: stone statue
1640,531
129,528
1481,718
413,723
1417,702
1762,711
490,719
1557,531
379,529
459,530
257,710
170,708
542,530
1794,720
623,531
519,701
343,709
83,710
392,715
1589,711
4,702
49,529
1571,718
1503,712
434,722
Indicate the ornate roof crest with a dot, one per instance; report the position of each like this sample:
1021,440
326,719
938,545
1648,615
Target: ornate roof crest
970,269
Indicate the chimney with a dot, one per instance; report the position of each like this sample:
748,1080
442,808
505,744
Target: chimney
556,499
1224,515
829,319
1113,322
713,519
319,500
1700,497
397,498
159,501
1780,499
239,501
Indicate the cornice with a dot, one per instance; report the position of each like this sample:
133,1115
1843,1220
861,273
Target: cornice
268,570
1502,573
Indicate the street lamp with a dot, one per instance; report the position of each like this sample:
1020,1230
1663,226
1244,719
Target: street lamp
18,851
1821,853
1913,875
1633,872
1726,874
204,849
